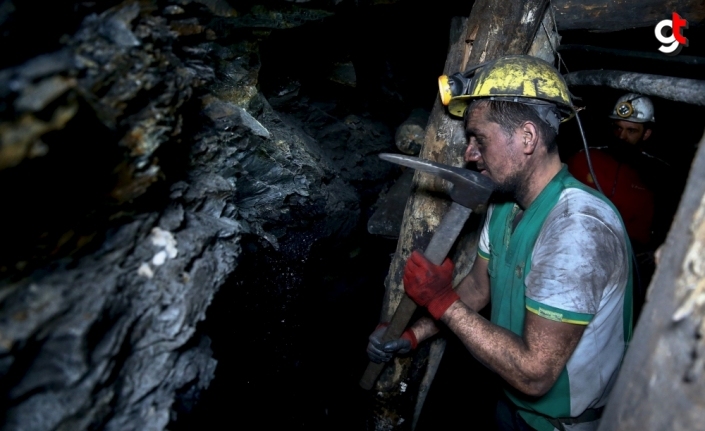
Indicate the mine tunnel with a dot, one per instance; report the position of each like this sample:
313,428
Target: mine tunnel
198,231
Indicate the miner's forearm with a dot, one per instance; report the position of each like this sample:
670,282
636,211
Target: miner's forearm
424,328
474,290
499,349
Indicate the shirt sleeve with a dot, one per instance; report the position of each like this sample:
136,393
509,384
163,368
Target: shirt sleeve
579,256
483,248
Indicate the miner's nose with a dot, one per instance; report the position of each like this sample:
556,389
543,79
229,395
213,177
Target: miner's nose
472,154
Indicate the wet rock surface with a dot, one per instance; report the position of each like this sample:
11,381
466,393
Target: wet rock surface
143,166
101,291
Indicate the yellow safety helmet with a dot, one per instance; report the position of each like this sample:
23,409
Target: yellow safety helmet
518,78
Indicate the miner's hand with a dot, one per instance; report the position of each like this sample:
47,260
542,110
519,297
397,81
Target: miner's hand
430,285
378,351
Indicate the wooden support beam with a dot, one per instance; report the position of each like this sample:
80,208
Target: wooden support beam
661,385
494,28
668,87
601,15
688,60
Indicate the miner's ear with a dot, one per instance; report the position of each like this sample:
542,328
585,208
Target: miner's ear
530,136
647,133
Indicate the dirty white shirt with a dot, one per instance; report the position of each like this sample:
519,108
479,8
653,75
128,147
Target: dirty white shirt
580,265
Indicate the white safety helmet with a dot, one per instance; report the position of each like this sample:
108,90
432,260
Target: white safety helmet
633,107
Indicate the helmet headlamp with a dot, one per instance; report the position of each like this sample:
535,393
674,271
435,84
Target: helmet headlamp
625,109
519,78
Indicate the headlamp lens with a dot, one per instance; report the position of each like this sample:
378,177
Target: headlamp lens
625,109
452,86
445,90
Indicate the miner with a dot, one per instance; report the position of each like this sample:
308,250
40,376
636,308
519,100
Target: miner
553,259
625,171
622,167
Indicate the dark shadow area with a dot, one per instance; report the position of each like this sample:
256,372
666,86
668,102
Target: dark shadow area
51,21
57,186
397,52
291,351
464,392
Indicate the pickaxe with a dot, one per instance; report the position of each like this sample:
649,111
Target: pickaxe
470,192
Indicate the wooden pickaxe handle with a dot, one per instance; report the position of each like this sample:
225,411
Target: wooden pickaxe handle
436,252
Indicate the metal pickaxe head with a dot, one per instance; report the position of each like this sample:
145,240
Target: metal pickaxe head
470,189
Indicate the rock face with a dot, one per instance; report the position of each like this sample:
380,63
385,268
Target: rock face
135,160
99,313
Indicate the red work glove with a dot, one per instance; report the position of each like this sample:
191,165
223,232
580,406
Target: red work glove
430,285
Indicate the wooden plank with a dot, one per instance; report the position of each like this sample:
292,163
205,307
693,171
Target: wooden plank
601,15
668,87
654,56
